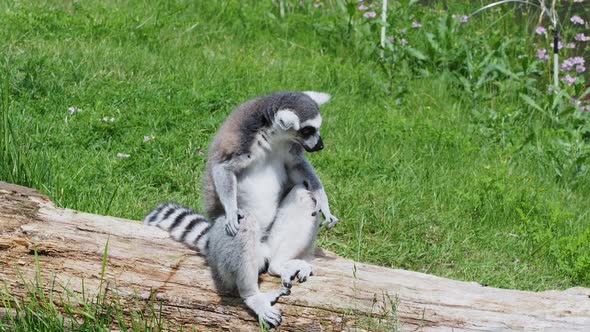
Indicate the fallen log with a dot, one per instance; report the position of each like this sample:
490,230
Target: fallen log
143,264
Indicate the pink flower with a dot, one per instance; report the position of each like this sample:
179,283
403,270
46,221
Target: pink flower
363,7
390,38
577,20
370,14
581,37
542,54
577,60
570,45
569,80
549,89
568,64
403,41
540,30
580,68
416,24
464,19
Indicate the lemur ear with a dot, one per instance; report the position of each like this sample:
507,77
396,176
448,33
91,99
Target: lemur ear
319,97
286,119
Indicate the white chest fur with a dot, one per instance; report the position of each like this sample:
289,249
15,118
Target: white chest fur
261,185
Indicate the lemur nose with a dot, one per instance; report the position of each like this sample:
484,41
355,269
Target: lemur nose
319,145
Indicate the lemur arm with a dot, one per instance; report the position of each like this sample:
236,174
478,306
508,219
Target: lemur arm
302,172
226,186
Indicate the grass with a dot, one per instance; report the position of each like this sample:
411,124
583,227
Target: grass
56,308
433,146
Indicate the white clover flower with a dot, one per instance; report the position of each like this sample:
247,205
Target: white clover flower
73,110
147,138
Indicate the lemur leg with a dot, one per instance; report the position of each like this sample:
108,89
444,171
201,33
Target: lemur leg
226,186
237,260
301,171
292,236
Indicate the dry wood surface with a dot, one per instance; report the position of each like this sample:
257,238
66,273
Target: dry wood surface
143,263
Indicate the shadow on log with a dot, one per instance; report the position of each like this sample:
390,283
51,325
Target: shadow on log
144,263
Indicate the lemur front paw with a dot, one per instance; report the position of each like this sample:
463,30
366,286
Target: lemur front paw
329,220
232,223
322,203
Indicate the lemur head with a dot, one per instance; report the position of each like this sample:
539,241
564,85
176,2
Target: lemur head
299,117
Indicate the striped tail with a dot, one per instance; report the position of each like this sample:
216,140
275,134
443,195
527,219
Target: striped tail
184,224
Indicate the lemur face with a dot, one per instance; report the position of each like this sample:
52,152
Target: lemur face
309,134
306,133
300,120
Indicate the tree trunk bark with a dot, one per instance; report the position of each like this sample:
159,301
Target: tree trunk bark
143,264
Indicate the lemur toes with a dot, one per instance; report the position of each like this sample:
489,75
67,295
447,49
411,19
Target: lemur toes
272,318
275,295
287,279
268,316
287,291
230,230
287,284
305,273
299,269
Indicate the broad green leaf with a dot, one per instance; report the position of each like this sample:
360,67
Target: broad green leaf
416,54
530,102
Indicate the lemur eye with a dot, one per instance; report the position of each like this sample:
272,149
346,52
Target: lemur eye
307,131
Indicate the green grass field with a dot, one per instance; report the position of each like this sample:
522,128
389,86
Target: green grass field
445,156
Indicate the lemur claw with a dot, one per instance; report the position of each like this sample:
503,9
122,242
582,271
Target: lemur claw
233,224
329,221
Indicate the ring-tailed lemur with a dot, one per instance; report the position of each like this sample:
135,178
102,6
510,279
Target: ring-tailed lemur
263,195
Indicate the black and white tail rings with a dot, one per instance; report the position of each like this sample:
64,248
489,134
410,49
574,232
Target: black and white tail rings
183,224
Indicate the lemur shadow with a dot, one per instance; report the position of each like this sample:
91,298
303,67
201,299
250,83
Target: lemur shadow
231,297
228,297
320,253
